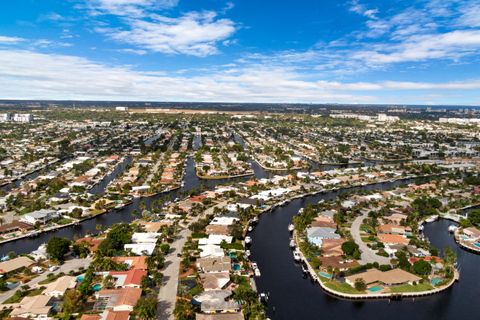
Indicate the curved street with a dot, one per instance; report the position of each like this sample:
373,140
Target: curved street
368,255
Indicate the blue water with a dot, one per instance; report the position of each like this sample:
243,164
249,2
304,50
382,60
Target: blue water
375,288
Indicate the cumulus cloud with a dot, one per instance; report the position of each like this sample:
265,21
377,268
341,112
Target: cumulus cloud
195,33
33,75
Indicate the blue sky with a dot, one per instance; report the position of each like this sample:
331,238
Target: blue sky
331,51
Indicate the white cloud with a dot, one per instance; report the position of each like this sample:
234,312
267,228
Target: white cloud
470,15
361,9
195,33
134,51
127,7
10,40
32,75
450,45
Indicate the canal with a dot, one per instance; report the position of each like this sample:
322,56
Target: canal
191,183
294,297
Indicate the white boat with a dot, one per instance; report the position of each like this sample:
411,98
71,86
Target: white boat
247,253
296,256
248,240
291,227
432,219
250,228
452,228
292,243
420,227
255,219
257,272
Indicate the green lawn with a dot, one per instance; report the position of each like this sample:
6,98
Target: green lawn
411,288
341,287
232,246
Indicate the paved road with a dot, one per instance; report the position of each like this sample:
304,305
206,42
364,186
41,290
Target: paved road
168,291
368,255
69,265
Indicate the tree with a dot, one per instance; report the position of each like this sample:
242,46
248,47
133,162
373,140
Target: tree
349,248
108,282
450,256
184,310
57,248
146,308
72,301
360,284
422,267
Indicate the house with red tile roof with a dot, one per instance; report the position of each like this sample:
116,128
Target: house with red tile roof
128,279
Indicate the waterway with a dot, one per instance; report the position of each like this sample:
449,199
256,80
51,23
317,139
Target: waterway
294,297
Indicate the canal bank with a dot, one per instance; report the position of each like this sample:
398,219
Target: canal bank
291,296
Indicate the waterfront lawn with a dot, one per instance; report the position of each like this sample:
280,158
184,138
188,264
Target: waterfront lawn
232,246
411,288
341,287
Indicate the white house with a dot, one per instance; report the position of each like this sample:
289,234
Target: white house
40,216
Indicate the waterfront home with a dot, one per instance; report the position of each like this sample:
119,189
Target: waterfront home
215,264
215,301
389,278
36,307
224,221
217,229
128,279
210,250
332,247
42,216
315,235
15,226
337,262
123,299
214,280
58,287
215,239
473,233
15,265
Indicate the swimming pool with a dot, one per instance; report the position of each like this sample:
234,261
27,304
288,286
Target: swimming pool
436,281
375,288
97,287
325,275
237,267
477,244
80,278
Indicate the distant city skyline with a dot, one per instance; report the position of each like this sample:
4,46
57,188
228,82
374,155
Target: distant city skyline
358,52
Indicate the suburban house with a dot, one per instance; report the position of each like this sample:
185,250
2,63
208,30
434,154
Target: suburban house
389,278
42,216
15,265
123,299
215,264
316,235
128,279
58,287
36,307
215,301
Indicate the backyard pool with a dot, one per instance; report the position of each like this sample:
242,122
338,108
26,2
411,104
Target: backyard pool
375,289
